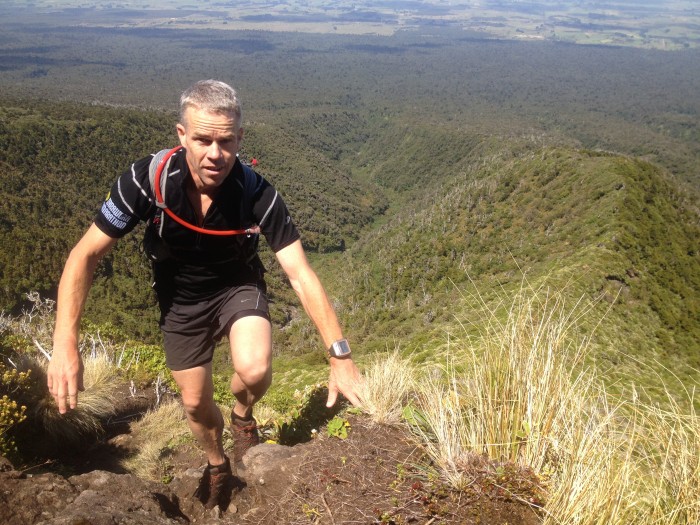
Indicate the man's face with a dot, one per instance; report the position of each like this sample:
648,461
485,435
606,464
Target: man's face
212,141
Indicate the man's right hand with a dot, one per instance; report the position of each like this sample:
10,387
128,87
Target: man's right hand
65,377
65,374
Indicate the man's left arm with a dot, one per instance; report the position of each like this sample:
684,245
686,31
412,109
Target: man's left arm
344,376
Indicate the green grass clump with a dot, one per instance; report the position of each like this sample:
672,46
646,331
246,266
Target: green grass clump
143,363
308,413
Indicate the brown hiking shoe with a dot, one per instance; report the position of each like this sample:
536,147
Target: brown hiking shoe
215,486
245,436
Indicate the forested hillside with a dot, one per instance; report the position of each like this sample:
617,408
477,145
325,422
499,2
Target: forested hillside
58,161
606,228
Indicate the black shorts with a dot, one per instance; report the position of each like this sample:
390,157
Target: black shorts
191,331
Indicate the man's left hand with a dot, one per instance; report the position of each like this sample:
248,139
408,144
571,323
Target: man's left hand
345,378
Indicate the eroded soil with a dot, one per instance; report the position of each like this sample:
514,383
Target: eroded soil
378,474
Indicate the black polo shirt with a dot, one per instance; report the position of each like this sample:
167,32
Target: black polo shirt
194,266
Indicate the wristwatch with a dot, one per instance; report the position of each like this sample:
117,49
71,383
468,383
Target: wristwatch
339,348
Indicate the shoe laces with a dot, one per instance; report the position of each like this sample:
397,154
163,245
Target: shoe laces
247,433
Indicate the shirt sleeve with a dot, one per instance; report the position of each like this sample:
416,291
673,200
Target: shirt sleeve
274,218
129,201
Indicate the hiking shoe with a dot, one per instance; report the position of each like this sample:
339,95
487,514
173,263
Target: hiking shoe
245,436
215,486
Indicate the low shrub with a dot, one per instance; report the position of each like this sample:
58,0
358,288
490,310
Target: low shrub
12,385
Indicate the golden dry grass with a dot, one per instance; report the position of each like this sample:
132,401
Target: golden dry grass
388,381
95,403
520,393
670,460
511,394
155,434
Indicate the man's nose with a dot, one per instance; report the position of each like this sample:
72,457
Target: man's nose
214,150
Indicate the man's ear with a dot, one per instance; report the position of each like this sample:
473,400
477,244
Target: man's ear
181,133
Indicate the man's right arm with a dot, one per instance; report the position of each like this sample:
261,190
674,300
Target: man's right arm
65,372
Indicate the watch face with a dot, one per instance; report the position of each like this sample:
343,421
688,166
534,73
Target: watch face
340,348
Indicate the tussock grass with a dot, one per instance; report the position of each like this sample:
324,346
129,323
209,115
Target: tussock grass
156,433
388,383
26,347
95,404
671,461
514,392
519,393
594,480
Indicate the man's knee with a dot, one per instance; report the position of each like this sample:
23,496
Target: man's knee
197,404
255,375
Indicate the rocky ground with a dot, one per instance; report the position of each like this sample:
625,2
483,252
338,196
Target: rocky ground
376,475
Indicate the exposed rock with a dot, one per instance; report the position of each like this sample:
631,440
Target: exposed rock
264,464
100,497
96,498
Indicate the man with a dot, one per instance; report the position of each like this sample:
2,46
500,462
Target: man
208,284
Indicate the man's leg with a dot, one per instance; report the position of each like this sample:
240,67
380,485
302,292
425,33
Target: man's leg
203,416
207,425
251,351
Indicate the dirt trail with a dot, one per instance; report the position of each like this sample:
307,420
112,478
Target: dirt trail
376,475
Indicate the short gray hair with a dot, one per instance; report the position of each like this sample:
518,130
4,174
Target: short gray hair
211,95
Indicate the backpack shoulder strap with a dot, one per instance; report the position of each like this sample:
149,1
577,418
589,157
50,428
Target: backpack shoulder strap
158,177
158,169
251,184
